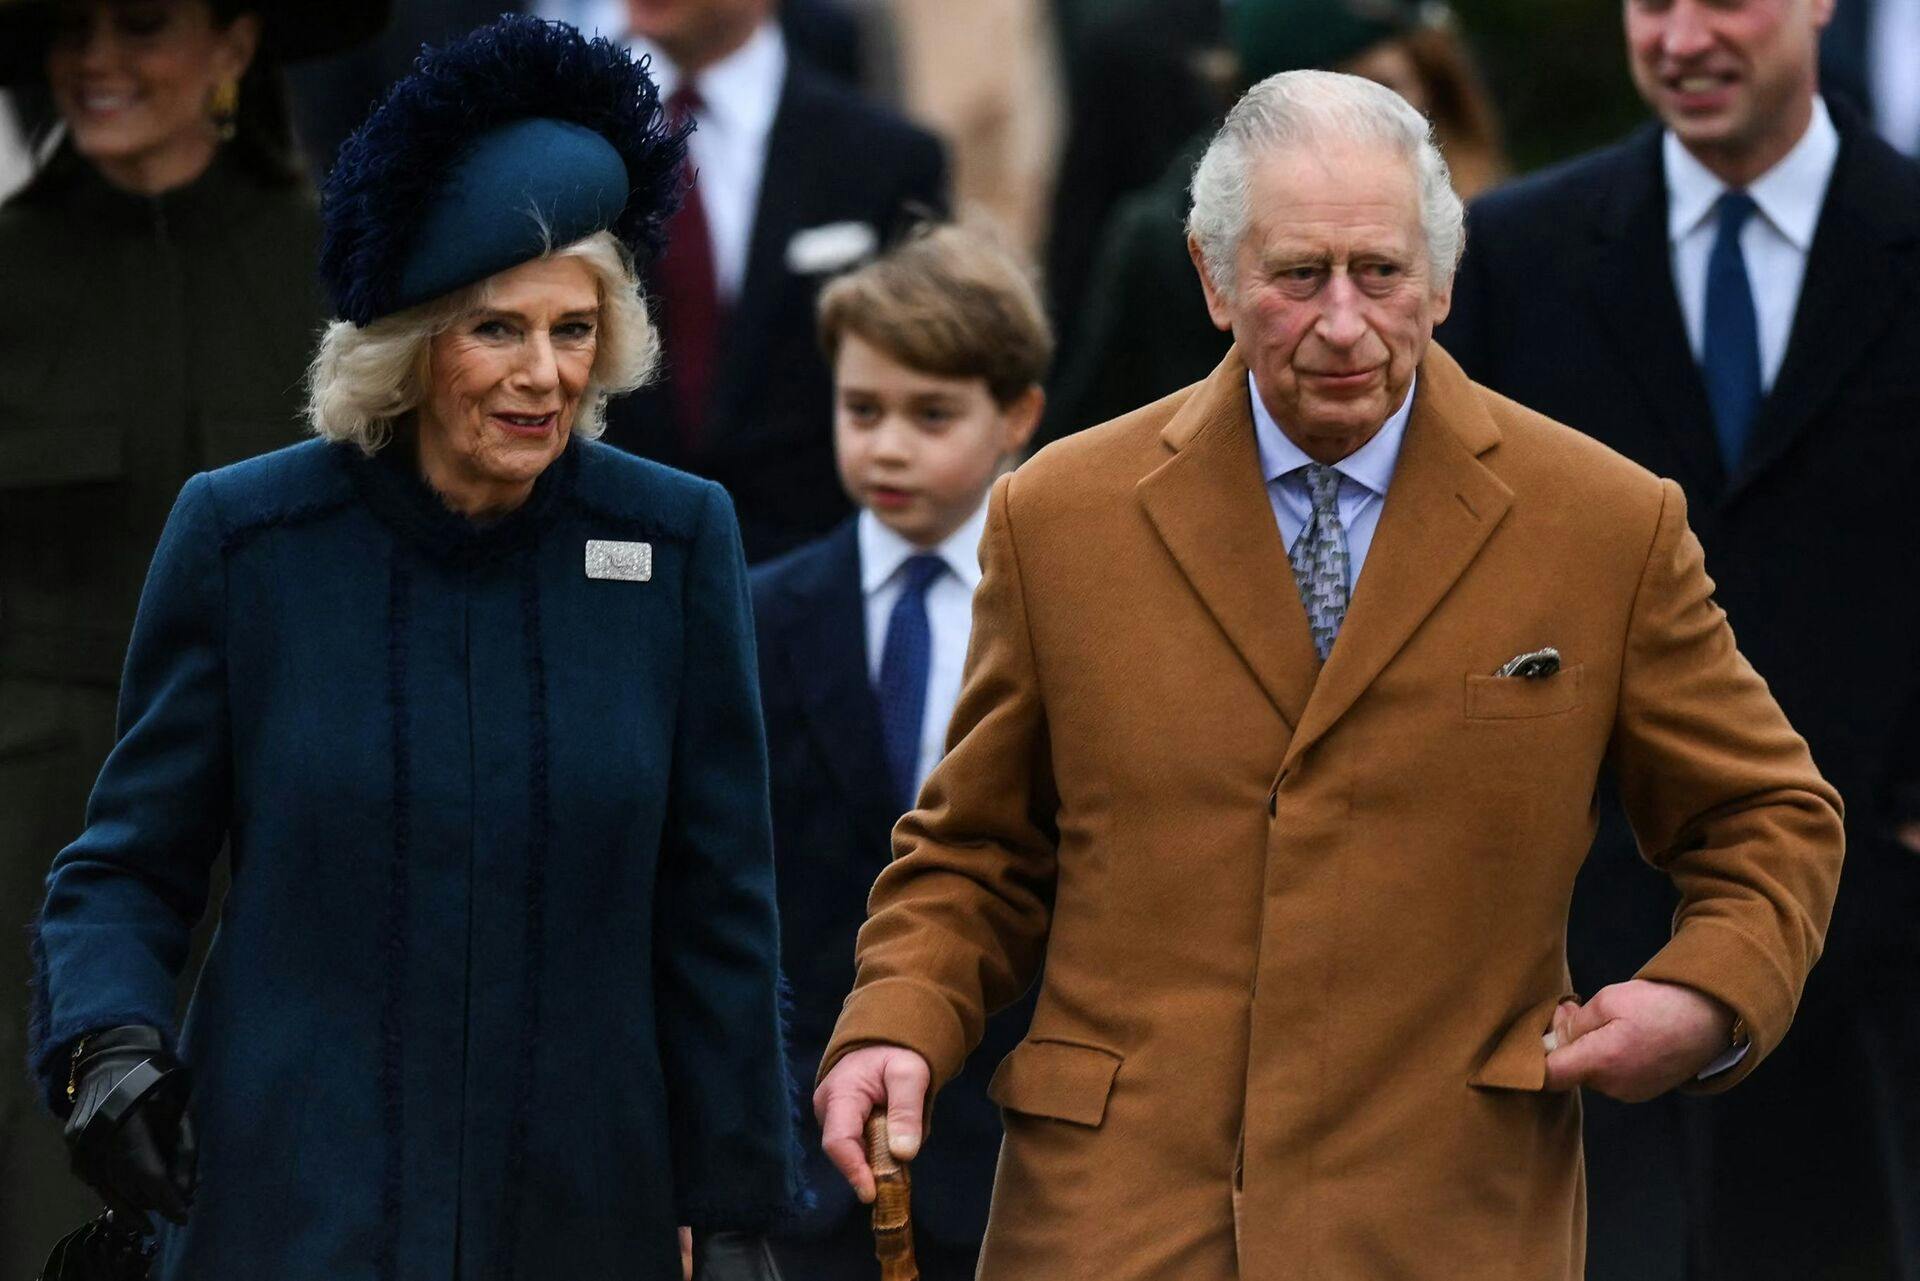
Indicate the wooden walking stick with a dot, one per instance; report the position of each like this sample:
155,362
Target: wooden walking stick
892,1205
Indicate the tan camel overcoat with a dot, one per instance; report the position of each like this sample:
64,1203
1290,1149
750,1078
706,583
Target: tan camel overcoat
1303,927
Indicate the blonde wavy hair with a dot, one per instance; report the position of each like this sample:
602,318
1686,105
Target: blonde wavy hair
363,381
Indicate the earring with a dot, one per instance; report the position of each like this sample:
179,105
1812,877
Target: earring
223,108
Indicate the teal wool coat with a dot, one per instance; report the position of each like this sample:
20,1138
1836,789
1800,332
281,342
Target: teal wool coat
494,993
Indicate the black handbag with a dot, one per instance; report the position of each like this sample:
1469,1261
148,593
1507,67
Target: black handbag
104,1249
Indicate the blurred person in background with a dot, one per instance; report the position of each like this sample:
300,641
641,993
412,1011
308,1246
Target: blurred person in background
331,96
826,32
1870,58
1142,80
1731,297
792,177
985,76
495,994
1144,331
160,309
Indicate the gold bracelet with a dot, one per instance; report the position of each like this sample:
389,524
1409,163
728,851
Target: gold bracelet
73,1071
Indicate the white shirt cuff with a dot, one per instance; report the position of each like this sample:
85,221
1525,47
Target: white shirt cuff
1733,1056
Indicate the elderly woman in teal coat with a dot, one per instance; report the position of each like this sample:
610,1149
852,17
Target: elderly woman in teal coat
471,698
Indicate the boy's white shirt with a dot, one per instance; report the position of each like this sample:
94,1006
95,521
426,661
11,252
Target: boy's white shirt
949,615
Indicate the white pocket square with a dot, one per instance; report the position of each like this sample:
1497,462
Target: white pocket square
833,246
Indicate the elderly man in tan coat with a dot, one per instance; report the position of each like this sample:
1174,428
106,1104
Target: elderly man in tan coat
1287,702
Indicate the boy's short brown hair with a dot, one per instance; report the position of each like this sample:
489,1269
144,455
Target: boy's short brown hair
948,301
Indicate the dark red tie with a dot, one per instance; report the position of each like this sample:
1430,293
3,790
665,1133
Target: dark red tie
690,329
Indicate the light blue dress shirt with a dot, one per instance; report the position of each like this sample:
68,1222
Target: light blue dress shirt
1364,476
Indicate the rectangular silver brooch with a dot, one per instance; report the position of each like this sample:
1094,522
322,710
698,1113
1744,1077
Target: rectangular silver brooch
622,562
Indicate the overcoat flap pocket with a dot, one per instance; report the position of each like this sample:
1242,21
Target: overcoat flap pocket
1516,697
1060,1079
72,452
1518,1060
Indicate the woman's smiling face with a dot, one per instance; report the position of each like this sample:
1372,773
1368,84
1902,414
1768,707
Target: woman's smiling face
505,384
133,80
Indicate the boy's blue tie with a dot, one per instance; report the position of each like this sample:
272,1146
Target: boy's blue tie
1730,356
904,662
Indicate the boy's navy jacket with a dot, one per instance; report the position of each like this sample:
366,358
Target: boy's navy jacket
494,992
833,816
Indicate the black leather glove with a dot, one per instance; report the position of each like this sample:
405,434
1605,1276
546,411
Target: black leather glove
732,1256
129,1135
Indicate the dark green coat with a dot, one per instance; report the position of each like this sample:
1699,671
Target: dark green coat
1145,332
141,340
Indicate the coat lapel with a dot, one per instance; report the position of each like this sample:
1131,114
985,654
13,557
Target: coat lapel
1859,273
779,213
1208,503
825,634
1631,278
1440,509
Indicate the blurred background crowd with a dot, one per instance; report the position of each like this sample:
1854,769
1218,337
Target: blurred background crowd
158,309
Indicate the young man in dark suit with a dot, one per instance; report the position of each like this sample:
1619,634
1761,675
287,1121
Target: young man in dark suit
795,177
1732,298
938,352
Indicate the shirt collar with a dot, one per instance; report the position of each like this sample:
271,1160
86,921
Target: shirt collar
1370,466
883,552
741,92
1789,194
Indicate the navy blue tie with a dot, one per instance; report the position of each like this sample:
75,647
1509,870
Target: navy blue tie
904,662
1731,356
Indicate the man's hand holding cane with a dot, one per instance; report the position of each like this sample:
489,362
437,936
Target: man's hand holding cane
873,1076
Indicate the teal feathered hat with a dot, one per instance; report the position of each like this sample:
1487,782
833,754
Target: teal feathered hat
520,136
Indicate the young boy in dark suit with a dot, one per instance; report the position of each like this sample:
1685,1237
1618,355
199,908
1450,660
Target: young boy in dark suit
938,351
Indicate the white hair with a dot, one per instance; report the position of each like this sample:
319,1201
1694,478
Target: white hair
1313,109
363,381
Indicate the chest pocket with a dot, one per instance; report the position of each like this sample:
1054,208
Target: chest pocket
1510,698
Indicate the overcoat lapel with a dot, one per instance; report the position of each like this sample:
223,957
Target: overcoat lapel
1208,503
1440,509
825,635
1631,278
1861,267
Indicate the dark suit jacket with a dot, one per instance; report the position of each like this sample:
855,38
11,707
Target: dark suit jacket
1566,303
832,820
768,434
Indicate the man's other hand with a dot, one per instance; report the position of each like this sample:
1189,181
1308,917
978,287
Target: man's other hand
862,1081
1636,1040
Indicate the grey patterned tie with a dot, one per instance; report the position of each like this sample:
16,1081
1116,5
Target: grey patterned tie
1319,559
